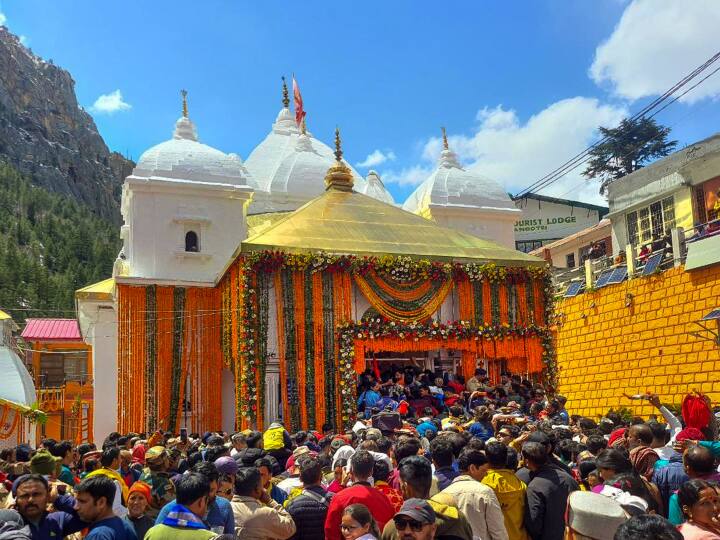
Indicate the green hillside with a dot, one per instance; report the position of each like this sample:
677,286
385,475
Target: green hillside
50,245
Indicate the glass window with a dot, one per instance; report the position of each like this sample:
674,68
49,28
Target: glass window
570,260
651,222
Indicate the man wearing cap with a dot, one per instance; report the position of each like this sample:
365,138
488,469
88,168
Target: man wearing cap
138,502
156,476
593,516
415,520
43,462
32,495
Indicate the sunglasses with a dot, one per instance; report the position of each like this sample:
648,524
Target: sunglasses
401,524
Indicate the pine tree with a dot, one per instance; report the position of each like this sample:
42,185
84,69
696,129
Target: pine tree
50,246
629,147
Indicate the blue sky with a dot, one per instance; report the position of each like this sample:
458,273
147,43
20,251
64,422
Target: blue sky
520,86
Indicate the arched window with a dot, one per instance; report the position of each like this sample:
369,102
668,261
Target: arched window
191,242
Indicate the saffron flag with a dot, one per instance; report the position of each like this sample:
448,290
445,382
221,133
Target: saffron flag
376,367
299,112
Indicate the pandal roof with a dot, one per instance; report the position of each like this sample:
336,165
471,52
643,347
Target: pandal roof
342,221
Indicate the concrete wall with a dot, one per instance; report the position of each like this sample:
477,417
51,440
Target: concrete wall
605,348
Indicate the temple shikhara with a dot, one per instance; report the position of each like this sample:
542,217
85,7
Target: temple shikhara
252,291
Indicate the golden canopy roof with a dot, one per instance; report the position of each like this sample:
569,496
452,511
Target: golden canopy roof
341,221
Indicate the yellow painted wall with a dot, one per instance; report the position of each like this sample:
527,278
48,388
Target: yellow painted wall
684,209
605,348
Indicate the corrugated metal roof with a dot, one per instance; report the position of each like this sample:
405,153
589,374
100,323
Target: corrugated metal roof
51,330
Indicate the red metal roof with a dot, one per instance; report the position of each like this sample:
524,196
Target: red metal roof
51,330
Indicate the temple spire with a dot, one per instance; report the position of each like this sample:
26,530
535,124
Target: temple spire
338,145
183,93
286,97
339,176
445,141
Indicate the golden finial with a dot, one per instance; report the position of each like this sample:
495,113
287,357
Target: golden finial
183,93
339,176
338,145
445,141
286,99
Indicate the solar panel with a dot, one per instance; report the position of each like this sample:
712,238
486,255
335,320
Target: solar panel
618,275
714,314
653,263
603,279
573,289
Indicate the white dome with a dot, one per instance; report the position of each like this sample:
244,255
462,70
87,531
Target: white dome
301,173
376,189
16,383
264,164
451,185
184,158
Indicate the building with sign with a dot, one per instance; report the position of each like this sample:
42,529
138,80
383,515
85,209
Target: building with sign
547,219
681,190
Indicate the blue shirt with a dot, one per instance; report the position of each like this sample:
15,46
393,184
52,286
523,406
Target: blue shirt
369,398
481,431
56,525
219,514
278,495
112,528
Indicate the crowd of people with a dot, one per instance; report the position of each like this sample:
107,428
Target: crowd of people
428,457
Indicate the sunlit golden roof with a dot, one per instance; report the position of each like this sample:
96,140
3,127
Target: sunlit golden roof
349,222
102,290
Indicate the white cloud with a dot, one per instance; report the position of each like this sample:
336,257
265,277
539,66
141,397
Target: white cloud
110,103
377,157
655,44
517,154
3,19
408,176
24,40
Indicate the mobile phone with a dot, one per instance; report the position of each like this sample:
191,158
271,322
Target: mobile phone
183,434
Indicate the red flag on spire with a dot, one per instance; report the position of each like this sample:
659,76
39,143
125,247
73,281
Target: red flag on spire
299,112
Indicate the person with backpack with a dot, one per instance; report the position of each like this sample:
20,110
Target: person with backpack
309,509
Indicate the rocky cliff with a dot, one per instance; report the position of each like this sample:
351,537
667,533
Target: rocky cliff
47,136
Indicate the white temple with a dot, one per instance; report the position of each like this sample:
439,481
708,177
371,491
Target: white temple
187,206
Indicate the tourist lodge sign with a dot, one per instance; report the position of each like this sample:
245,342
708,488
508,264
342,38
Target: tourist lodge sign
543,224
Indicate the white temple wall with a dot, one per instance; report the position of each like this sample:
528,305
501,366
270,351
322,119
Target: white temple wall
495,225
99,328
158,214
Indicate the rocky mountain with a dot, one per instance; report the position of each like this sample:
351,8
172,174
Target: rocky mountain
49,138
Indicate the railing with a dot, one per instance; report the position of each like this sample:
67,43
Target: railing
634,259
51,399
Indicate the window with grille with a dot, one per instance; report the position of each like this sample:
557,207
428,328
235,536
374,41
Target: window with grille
651,222
570,260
